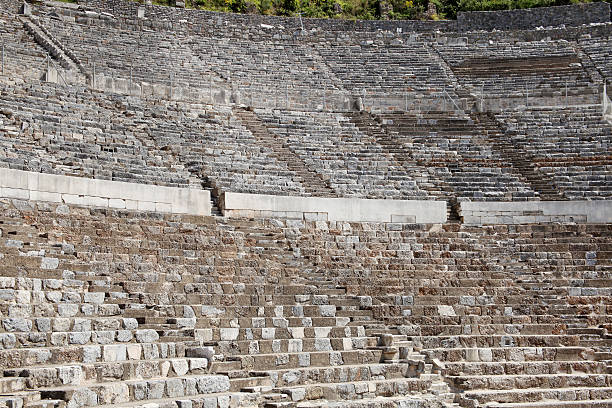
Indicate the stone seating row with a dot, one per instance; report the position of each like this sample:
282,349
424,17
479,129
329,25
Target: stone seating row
567,145
23,59
392,69
99,143
596,48
116,141
517,69
350,162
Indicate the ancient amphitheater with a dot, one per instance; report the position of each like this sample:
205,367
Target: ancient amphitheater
205,210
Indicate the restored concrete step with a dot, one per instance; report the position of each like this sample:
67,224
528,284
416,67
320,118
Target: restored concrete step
600,403
538,394
543,381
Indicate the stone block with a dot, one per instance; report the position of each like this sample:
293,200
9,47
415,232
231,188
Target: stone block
147,336
229,334
115,352
49,263
213,384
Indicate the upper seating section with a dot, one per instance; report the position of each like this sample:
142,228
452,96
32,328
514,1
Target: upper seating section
381,69
598,50
150,56
518,69
23,58
201,61
570,146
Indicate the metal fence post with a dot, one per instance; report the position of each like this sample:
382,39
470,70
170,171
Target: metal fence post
3,58
325,97
482,97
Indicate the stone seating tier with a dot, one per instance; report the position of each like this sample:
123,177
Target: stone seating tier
121,306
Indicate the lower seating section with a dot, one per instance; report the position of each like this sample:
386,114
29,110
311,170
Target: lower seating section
102,307
508,314
353,164
569,146
451,156
79,132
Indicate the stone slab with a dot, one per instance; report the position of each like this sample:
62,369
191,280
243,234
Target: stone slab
333,209
524,212
28,185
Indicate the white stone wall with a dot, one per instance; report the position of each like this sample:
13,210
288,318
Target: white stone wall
525,212
25,185
333,209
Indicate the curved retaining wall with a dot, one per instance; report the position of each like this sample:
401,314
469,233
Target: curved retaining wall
571,16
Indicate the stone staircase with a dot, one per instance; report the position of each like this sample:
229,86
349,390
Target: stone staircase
521,161
313,183
56,50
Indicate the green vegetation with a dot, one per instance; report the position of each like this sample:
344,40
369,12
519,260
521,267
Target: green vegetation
366,9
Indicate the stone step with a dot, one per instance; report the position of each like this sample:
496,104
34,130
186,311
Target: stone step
11,385
467,341
599,403
509,354
523,367
38,339
309,323
15,358
282,361
254,347
356,389
47,403
251,384
20,398
226,399
373,402
372,371
138,390
79,374
293,332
